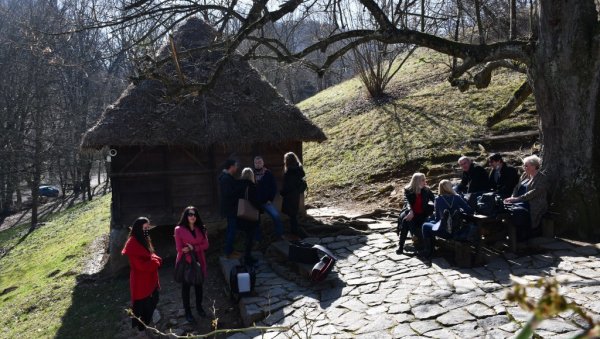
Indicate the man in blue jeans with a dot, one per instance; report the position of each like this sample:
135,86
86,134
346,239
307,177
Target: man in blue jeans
228,188
267,188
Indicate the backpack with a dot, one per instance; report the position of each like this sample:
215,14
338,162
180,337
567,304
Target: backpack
321,269
452,221
242,279
489,204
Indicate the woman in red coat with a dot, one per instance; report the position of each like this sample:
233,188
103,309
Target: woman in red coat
190,235
143,276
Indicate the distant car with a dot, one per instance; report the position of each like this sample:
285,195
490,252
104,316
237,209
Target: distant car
48,191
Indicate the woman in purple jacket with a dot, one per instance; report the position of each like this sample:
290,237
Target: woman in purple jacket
190,235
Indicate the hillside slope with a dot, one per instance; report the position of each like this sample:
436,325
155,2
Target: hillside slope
44,290
423,120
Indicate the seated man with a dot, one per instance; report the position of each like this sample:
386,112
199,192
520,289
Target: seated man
503,178
474,180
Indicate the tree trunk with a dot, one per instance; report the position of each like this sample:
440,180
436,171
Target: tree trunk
565,74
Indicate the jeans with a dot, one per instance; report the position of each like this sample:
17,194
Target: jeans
429,233
230,233
274,214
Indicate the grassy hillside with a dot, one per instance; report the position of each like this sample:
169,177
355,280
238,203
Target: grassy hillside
423,118
39,294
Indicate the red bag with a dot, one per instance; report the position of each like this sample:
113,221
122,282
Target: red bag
321,269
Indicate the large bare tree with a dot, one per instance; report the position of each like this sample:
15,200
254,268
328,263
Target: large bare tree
560,55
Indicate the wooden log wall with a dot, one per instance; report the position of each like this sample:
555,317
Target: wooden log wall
159,182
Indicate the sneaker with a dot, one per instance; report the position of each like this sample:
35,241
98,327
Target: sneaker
406,252
190,319
201,312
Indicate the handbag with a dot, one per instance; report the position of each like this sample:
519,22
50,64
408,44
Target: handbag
189,273
245,209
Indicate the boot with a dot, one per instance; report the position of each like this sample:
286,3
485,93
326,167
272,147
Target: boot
201,311
189,317
427,251
400,249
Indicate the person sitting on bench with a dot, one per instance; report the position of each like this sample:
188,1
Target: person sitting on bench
418,200
503,178
448,200
529,199
474,181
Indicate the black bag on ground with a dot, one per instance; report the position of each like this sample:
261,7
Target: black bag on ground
489,204
242,279
303,253
189,273
322,268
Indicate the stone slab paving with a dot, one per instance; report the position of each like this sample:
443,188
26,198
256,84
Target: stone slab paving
375,293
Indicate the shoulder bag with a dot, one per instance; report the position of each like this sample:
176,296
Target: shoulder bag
189,273
245,209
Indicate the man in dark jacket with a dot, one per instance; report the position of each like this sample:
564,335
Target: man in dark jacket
228,188
503,178
267,189
474,180
474,177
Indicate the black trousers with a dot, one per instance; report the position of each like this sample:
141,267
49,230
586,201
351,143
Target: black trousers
143,309
185,295
521,219
249,228
414,226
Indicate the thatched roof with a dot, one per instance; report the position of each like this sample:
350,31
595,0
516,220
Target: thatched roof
242,108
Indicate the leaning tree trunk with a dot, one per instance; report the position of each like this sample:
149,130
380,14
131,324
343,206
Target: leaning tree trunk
565,74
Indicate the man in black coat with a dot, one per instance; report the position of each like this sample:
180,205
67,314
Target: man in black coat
502,178
474,177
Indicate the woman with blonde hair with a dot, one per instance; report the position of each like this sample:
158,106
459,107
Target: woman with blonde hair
448,200
248,191
418,200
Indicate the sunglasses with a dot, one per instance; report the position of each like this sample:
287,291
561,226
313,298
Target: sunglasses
191,215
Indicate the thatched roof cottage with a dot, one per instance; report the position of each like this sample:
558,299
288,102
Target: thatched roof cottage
169,147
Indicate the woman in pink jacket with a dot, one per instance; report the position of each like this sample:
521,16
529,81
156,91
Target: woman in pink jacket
190,235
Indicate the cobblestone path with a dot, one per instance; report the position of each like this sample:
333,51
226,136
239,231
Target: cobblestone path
375,293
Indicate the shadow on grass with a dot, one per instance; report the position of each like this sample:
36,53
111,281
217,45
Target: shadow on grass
96,307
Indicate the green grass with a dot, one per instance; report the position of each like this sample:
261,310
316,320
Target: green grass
425,118
44,265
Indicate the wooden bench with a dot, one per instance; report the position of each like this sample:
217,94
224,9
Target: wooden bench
490,230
